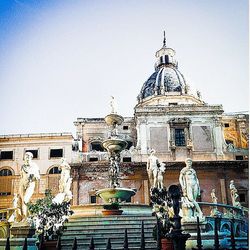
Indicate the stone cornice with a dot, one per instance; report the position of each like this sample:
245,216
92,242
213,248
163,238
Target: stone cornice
205,165
36,136
179,110
99,120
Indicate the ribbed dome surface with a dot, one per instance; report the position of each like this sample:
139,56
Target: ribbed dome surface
165,79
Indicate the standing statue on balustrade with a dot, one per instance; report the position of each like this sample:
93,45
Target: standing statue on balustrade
161,171
155,171
65,181
29,175
214,212
191,190
234,194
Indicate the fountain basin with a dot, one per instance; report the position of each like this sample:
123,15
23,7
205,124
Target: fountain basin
113,119
114,145
122,194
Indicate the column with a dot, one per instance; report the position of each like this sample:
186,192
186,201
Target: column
218,136
223,191
146,192
143,139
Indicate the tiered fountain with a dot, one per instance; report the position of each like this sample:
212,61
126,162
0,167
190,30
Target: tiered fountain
114,145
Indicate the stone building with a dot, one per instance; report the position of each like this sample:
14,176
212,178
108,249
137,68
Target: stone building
47,150
177,123
168,117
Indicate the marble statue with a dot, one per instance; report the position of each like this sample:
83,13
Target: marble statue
65,181
161,171
191,190
198,93
187,89
17,214
113,105
214,212
29,175
234,194
152,168
155,170
213,196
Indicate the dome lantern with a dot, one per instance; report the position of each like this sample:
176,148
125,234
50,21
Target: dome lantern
166,78
165,56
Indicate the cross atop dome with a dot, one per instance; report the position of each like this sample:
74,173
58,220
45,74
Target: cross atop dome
164,39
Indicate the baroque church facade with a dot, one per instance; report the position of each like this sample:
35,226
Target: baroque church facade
168,117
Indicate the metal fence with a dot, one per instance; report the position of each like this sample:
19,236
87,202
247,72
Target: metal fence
199,246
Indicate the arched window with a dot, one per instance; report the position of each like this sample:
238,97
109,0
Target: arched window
5,172
5,181
54,170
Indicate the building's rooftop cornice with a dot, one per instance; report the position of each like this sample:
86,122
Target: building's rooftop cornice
178,109
36,135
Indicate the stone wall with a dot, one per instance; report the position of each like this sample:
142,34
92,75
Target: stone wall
202,138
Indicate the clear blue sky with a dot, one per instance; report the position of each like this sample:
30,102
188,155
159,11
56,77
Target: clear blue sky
63,59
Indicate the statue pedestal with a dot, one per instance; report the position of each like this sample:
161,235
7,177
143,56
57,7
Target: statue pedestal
191,226
21,230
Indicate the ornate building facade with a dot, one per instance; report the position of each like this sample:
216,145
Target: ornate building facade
178,124
169,118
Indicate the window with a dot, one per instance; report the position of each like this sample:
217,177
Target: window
180,133
5,182
166,59
173,103
92,199
179,137
56,153
6,155
34,152
5,193
75,145
54,170
239,157
226,125
97,146
126,159
242,197
5,172
3,216
125,127
93,159
229,142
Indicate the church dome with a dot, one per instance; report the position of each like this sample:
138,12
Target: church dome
164,79
167,79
